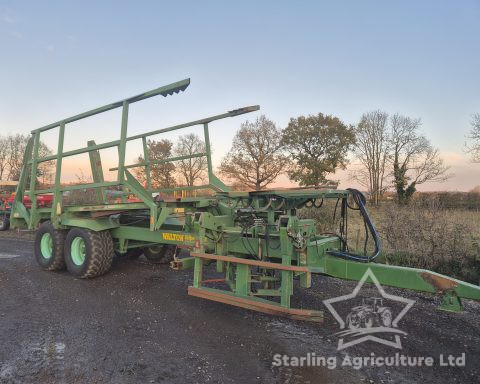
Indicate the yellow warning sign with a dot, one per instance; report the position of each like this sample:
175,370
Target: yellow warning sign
180,237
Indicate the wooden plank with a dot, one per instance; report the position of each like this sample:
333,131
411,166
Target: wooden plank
257,263
256,304
8,183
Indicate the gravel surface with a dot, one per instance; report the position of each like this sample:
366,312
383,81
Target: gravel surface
138,325
18,234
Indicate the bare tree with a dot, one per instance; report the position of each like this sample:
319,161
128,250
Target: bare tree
13,150
16,149
3,156
372,150
45,168
392,150
192,169
414,160
256,158
474,135
429,166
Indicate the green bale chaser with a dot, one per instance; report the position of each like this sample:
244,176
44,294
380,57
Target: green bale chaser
256,240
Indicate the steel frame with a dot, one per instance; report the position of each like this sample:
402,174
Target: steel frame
235,230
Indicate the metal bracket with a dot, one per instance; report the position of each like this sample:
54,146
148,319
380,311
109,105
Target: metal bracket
451,302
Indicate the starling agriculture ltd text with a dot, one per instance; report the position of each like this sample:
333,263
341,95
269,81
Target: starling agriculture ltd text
359,362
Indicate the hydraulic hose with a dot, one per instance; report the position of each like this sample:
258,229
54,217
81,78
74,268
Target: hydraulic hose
359,199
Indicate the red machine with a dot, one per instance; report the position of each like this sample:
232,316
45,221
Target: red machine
6,202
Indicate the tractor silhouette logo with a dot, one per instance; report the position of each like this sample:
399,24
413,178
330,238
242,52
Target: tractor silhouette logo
371,313
374,317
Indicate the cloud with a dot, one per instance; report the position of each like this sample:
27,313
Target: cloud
50,48
455,158
5,18
17,35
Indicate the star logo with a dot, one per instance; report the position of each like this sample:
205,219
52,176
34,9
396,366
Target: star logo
370,318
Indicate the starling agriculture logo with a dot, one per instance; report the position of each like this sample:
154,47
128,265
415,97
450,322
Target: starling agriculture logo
369,318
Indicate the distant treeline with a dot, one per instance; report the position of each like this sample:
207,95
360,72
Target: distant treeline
450,200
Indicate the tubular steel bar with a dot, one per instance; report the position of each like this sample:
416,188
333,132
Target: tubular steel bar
57,199
235,112
254,263
207,148
33,176
123,143
166,90
147,163
213,182
154,162
81,150
114,143
124,179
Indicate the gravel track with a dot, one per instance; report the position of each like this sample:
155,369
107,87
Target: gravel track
137,324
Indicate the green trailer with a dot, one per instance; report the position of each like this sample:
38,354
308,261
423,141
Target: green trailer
256,240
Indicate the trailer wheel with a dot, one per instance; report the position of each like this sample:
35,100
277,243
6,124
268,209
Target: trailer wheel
132,253
4,223
88,253
49,245
160,254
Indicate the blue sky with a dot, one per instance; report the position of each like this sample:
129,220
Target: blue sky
419,58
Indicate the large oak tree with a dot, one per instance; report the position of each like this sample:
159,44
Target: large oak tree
318,146
256,158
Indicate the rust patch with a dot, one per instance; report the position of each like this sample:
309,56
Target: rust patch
440,283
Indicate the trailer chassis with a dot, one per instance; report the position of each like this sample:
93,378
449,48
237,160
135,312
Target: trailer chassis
256,240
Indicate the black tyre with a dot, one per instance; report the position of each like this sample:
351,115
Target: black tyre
49,246
160,254
4,223
88,253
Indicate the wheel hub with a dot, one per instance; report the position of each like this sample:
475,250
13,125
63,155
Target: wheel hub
46,245
78,251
